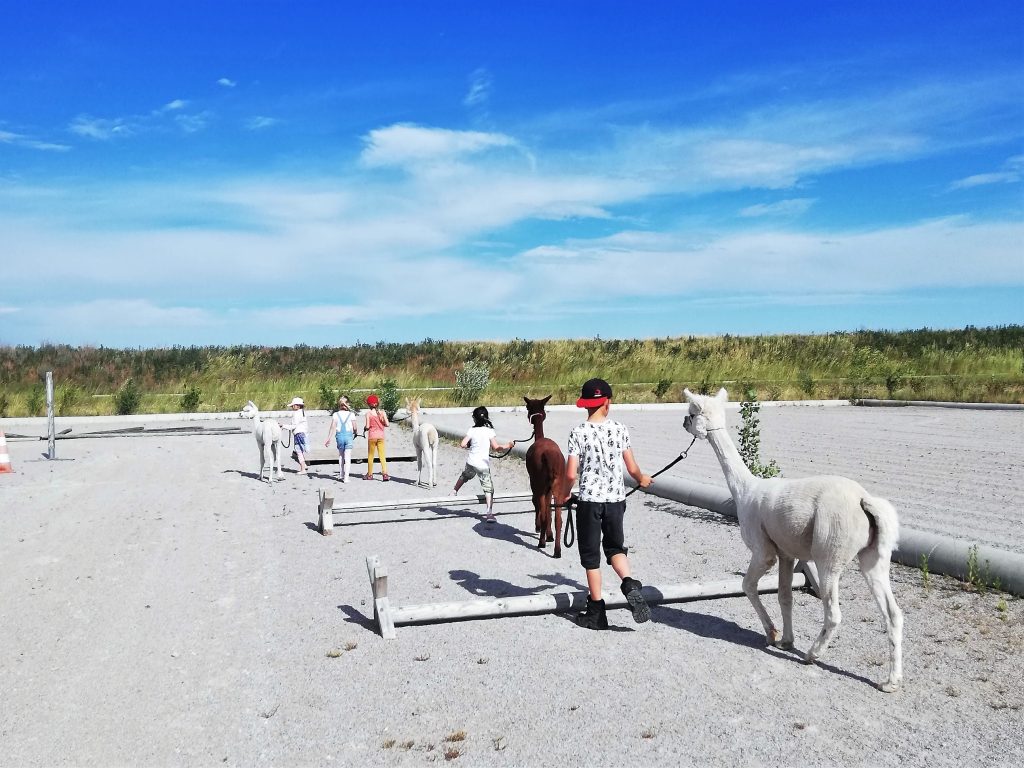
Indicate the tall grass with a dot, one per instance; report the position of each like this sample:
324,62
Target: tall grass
969,364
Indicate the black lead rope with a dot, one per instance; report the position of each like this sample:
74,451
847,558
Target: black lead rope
668,466
514,442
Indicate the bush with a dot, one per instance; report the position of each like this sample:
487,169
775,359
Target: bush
661,388
327,394
5,403
807,384
67,398
190,399
127,398
750,437
471,381
387,391
36,401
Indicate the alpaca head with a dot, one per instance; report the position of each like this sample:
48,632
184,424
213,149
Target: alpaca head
706,413
535,408
250,410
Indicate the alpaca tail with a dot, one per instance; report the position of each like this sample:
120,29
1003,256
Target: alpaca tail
884,522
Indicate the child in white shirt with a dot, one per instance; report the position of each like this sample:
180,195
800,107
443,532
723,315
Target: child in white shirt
480,440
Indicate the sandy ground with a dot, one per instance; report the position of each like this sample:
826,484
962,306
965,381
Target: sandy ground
159,606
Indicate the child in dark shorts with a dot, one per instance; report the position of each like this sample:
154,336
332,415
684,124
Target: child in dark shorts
598,449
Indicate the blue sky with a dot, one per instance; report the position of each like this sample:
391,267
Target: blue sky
326,173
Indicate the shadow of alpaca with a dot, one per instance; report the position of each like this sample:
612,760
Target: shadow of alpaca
505,532
250,475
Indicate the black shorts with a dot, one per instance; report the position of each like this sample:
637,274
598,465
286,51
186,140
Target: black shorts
599,524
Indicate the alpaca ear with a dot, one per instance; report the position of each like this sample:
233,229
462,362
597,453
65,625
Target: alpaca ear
689,396
545,400
722,396
251,403
526,399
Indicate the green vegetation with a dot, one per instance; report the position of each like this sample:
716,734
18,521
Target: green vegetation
970,364
750,437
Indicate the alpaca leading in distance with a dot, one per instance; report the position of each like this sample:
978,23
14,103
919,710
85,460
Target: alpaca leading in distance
824,519
268,435
545,464
424,440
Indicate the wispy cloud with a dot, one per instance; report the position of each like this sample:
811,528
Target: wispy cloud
19,140
106,129
792,207
102,129
1012,171
192,123
480,84
226,82
173,106
259,122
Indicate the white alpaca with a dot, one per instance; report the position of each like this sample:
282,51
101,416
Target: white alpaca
826,519
268,434
424,440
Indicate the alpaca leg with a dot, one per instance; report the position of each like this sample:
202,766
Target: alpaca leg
279,459
786,601
263,460
536,512
833,616
760,562
545,520
419,465
433,465
876,572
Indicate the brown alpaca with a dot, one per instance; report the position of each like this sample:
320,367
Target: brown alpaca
545,464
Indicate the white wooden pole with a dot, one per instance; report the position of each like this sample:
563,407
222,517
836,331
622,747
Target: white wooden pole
326,523
382,612
51,447
443,501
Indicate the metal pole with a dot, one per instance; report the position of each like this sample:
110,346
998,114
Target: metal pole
51,452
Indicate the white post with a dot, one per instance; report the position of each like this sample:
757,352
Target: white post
326,512
381,607
51,448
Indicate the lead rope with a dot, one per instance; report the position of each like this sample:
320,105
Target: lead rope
514,442
668,466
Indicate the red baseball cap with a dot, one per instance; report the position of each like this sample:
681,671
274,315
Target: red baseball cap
595,393
373,401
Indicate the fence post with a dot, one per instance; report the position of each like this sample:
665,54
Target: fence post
51,448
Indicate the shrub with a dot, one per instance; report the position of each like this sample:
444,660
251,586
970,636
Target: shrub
5,403
190,399
387,390
750,437
471,381
327,394
807,383
36,401
895,376
661,388
127,398
67,397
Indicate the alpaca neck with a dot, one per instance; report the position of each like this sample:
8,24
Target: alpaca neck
538,428
737,476
414,417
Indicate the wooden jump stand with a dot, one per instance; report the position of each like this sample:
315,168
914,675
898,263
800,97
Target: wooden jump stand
326,508
387,616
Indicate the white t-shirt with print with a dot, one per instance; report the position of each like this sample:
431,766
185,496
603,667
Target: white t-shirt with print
599,447
479,447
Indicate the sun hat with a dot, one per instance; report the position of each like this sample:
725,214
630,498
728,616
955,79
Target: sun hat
596,392
373,401
297,401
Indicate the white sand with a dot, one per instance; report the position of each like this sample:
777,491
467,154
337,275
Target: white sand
160,607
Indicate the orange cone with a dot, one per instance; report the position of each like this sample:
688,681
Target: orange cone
5,458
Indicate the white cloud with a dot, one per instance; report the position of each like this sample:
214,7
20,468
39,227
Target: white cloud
8,310
226,82
19,140
192,123
404,144
100,128
173,106
259,122
792,207
479,88
1013,171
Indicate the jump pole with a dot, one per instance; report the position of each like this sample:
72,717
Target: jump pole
51,448
387,616
326,507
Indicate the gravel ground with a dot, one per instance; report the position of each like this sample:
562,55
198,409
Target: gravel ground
160,606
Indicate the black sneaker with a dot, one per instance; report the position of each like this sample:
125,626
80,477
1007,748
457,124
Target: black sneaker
631,588
594,617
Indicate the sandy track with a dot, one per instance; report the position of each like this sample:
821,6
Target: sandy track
161,607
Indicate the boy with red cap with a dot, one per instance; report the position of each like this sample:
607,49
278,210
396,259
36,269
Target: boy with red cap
598,449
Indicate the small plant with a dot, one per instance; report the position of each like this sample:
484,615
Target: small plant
422,657
127,398
189,402
5,403
334,653
647,733
894,376
407,745
807,383
661,388
350,646
471,381
388,744
452,753
387,390
1002,608
456,736
750,437
926,577
67,398
36,398
327,394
